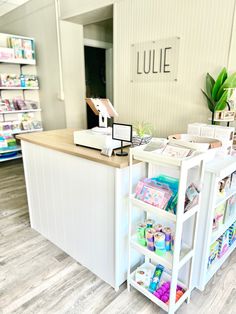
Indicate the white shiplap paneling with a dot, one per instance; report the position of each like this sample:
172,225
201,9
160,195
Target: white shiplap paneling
204,28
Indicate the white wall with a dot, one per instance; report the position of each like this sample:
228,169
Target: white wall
101,31
71,8
73,74
232,52
37,19
204,28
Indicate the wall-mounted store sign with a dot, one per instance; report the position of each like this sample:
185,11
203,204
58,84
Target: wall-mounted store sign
155,60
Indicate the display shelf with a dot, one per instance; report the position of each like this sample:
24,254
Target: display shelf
156,158
26,131
150,296
11,158
152,209
221,199
181,254
161,212
217,233
18,88
221,120
215,171
192,211
19,61
20,111
222,167
165,260
219,262
15,149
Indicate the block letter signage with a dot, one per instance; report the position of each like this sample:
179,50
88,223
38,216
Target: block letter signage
155,60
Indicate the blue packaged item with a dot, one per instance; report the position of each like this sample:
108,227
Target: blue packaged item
22,80
156,278
173,185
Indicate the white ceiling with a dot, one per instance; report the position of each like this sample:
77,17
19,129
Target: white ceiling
8,5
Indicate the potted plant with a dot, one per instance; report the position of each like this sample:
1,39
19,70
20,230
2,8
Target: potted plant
142,133
218,91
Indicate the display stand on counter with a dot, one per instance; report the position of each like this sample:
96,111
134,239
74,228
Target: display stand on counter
170,286
217,227
20,110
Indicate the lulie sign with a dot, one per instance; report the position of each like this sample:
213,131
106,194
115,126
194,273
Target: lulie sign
155,60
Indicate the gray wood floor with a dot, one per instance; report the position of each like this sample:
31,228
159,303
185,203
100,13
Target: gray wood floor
37,277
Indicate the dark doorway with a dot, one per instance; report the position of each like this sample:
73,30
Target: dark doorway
95,77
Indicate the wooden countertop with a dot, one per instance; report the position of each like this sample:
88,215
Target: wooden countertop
62,141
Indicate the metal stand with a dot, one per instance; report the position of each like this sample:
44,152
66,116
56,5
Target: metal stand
122,153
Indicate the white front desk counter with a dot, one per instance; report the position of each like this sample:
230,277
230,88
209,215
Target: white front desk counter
78,200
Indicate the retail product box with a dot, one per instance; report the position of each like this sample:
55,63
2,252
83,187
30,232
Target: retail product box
231,208
224,243
9,80
207,131
11,117
198,143
195,128
214,249
224,133
195,142
6,53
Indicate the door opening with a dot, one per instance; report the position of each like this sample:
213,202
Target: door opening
95,79
98,58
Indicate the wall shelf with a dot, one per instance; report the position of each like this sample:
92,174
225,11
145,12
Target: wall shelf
15,149
27,131
18,88
11,158
27,47
19,61
20,111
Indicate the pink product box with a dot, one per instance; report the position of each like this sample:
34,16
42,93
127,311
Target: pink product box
6,53
152,193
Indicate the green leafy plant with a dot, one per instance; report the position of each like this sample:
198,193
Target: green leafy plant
143,128
217,92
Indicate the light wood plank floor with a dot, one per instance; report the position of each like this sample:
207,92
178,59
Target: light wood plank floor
37,277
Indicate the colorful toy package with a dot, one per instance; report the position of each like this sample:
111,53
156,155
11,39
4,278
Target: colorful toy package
173,185
156,278
223,243
231,207
219,216
232,233
152,192
214,249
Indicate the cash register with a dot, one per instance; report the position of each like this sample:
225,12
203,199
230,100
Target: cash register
99,137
